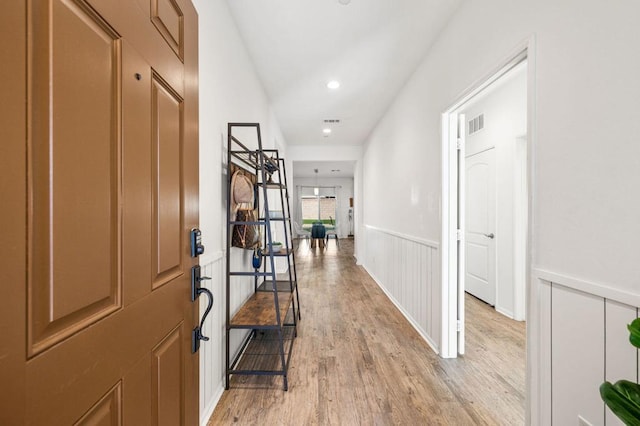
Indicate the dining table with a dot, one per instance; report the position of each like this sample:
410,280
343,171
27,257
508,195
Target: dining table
318,232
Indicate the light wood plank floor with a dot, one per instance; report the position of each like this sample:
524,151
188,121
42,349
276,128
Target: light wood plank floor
357,361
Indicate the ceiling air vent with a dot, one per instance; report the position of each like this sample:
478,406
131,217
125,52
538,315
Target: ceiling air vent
476,124
332,121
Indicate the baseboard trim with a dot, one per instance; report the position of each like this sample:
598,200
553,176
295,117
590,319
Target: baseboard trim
207,412
504,312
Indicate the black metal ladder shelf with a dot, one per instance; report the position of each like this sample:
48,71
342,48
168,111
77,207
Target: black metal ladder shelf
269,317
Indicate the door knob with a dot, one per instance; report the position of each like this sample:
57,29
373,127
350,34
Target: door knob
489,235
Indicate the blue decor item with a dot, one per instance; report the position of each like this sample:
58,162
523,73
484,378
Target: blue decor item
257,258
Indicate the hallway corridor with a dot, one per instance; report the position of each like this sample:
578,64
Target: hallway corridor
357,361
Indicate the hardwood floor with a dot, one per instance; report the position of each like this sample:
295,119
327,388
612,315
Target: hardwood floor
357,361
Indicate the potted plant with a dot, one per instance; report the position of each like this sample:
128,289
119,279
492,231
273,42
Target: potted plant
623,397
276,246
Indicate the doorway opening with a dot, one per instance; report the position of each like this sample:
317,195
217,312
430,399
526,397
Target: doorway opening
486,205
322,190
486,199
492,193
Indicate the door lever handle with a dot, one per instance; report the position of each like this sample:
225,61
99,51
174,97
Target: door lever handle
196,291
196,334
489,235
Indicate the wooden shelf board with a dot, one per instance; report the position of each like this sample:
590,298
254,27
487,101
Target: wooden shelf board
282,252
272,185
260,310
276,219
283,285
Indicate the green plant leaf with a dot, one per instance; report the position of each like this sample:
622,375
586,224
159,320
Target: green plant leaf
620,404
629,389
634,332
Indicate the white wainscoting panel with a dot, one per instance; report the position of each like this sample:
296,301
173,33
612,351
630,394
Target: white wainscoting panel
406,269
577,356
585,329
544,354
212,352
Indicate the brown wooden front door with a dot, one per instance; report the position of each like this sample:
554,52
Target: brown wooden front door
99,183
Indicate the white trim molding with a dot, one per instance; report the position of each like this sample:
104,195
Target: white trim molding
423,241
605,291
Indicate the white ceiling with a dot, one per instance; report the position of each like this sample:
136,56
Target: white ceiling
370,46
326,169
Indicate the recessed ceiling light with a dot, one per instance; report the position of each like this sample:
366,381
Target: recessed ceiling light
333,84
326,130
344,2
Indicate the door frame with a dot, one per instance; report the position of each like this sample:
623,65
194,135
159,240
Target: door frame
452,257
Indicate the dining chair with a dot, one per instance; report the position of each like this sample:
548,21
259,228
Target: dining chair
332,233
301,233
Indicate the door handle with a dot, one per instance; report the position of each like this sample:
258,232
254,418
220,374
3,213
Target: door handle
196,334
196,291
489,235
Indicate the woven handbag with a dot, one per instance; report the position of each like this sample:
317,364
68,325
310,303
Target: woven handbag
241,190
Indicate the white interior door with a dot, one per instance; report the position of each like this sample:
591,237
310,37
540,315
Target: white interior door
480,225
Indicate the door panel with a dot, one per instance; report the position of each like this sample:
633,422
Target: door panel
167,380
133,21
107,411
166,107
100,358
75,184
108,162
477,260
480,199
168,19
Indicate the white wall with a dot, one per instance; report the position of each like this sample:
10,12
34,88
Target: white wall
586,159
505,120
343,193
230,91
